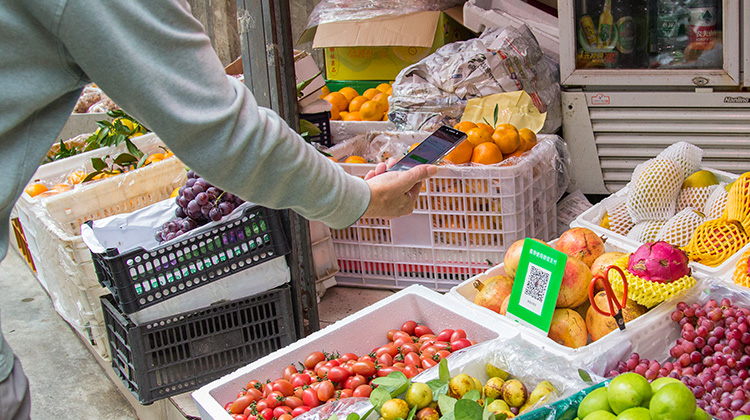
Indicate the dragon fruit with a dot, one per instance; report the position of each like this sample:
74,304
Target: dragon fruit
659,262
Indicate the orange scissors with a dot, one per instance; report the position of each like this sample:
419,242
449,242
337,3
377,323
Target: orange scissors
615,307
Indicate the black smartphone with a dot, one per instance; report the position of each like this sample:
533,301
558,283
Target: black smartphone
431,150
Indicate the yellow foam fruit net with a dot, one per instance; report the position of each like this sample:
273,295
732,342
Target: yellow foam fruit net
716,240
742,270
738,201
644,292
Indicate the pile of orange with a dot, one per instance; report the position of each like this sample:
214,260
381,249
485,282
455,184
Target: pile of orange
348,105
487,145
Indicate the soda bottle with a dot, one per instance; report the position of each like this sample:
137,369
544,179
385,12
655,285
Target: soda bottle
671,32
606,27
626,34
586,26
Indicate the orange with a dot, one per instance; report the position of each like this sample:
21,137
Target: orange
461,154
357,102
156,157
371,111
507,140
477,136
175,193
332,158
61,187
353,116
382,99
355,159
517,153
383,87
507,125
413,145
370,93
324,91
36,189
389,91
486,127
385,117
487,154
76,177
465,126
349,92
343,115
528,137
168,154
337,99
335,115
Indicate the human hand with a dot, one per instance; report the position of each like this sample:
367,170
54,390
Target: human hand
393,194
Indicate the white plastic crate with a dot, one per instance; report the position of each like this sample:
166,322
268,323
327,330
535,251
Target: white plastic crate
464,220
346,335
590,219
324,257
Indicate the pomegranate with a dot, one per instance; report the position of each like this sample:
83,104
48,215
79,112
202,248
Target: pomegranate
568,328
513,256
600,325
599,267
504,306
581,243
492,292
660,262
574,288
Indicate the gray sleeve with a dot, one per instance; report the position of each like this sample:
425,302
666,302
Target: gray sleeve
154,60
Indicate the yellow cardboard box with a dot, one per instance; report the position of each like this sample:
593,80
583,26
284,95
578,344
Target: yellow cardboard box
378,48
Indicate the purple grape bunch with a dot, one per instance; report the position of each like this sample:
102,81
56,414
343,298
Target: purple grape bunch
198,203
712,357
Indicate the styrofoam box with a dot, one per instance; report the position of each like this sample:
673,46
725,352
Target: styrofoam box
591,217
342,130
464,220
359,333
589,355
81,123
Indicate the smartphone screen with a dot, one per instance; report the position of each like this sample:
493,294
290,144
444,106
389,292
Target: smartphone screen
431,150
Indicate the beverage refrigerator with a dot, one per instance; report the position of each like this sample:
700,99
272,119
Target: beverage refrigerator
639,75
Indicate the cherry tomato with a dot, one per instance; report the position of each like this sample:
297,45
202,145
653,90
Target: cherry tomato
428,363
366,358
442,345
300,410
248,411
282,409
240,404
288,371
348,356
241,393
399,342
389,348
310,398
261,405
384,371
349,367
353,382
409,326
362,391
239,417
338,374
323,371
401,334
274,399
365,368
333,362
301,380
441,354
325,391
410,371
293,402
427,343
313,358
459,344
429,351
444,335
385,359
267,389
285,416
458,334
254,384
390,333
254,394
252,417
267,414
400,365
346,393
283,386
298,392
421,330
412,358
409,348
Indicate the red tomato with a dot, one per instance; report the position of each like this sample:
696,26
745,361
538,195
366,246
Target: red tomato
348,366
301,380
240,404
346,393
228,406
333,362
399,342
362,391
239,417
323,371
338,374
348,356
364,367
389,348
385,359
427,343
384,371
445,335
421,330
409,326
267,389
261,405
248,411
458,334
254,384
300,410
390,333
313,358
274,399
267,414
298,392
429,351
353,382
310,398
285,416
409,348
442,345
459,344
412,358
254,394
282,409
428,363
401,334
252,417
366,358
441,354
288,371
283,386
325,391
400,365
293,402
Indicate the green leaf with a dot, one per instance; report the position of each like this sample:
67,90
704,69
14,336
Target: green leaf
378,397
412,413
500,416
103,133
445,403
132,148
472,395
124,159
302,85
497,109
98,164
90,176
367,414
467,410
141,162
334,417
396,383
443,373
585,376
352,416
308,127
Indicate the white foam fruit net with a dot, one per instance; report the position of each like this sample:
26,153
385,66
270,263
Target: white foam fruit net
654,190
695,197
646,231
617,211
679,229
716,202
687,156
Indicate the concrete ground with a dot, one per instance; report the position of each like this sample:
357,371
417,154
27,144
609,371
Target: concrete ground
68,381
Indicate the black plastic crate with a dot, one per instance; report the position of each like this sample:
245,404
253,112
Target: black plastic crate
181,353
323,121
139,278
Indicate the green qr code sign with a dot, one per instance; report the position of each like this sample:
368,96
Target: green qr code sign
537,284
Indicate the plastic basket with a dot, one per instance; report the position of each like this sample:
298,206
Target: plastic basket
139,278
180,353
464,220
322,121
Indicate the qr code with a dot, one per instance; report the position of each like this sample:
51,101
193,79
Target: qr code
537,280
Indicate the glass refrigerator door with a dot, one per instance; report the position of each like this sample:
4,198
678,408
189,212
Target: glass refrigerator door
657,43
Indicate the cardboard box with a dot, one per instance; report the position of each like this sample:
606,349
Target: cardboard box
379,48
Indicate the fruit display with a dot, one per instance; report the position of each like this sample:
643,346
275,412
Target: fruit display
349,105
711,357
198,203
488,145
326,377
671,199
741,274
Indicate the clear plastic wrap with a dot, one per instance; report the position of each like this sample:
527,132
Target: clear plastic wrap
90,95
436,89
103,105
341,10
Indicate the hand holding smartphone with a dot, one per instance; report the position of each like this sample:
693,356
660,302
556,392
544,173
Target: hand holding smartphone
431,150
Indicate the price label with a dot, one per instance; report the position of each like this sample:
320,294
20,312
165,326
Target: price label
537,284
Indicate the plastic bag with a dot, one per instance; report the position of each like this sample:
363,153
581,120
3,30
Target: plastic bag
341,10
90,95
435,90
103,105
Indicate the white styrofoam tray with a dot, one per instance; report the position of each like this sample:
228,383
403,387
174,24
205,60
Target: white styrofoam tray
591,217
359,333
